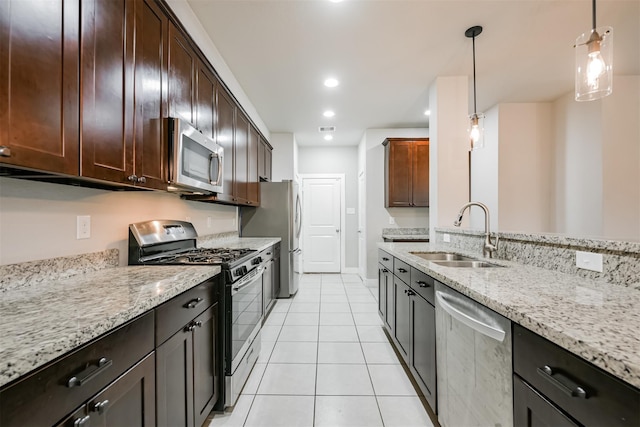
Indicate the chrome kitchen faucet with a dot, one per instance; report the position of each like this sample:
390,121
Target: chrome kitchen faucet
489,248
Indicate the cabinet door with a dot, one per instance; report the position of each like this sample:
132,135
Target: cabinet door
39,84
276,277
174,381
205,100
267,287
402,325
420,174
182,70
107,90
399,192
390,318
262,171
151,53
531,409
127,401
423,348
267,162
382,292
206,381
253,189
225,125
240,158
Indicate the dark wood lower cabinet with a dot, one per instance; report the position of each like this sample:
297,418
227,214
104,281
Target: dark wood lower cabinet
531,409
423,349
385,296
128,401
186,373
402,331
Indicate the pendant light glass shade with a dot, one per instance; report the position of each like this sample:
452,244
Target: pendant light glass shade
594,64
476,131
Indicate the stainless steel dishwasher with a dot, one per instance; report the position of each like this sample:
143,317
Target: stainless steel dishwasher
474,368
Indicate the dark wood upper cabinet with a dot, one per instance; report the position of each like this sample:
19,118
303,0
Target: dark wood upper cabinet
182,75
264,160
241,158
205,101
39,84
151,144
253,189
406,171
107,90
225,129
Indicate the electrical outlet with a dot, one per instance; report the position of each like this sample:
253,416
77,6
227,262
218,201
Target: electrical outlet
446,238
589,261
83,227
392,220
209,222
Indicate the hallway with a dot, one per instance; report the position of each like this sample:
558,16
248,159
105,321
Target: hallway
326,362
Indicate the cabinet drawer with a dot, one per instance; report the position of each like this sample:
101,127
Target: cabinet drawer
423,284
385,259
174,314
608,401
402,270
44,397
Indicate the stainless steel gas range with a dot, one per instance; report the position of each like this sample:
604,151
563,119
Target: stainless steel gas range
164,242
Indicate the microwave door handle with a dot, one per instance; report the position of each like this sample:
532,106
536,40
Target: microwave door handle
219,180
219,176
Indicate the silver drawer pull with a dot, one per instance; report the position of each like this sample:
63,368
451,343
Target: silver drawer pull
422,284
402,270
5,151
193,303
89,373
563,383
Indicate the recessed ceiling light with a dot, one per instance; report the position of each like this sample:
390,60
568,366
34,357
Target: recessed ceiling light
335,1
328,113
427,113
328,137
331,82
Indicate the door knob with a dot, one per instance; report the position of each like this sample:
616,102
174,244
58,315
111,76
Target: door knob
337,230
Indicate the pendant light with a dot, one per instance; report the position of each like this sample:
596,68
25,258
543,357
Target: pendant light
594,62
476,120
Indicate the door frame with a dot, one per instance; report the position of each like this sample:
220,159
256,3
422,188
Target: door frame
341,178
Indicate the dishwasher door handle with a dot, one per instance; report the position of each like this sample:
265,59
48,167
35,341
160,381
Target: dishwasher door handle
468,318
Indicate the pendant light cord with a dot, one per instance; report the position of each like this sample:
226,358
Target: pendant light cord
475,108
594,15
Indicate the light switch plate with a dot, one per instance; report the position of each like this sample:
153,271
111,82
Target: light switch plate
392,220
446,238
589,261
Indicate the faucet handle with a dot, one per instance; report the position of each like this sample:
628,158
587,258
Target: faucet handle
496,242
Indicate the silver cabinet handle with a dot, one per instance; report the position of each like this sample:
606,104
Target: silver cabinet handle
468,319
5,151
132,178
82,422
563,383
141,180
100,407
89,373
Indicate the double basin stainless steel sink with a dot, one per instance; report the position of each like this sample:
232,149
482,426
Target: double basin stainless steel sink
447,259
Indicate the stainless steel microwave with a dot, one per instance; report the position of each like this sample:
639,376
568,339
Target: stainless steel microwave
195,160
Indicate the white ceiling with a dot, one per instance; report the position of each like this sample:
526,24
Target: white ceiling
386,54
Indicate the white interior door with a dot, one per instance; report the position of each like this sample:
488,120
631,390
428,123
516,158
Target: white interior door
362,235
321,225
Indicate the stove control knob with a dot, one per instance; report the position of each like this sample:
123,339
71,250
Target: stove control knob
244,270
238,271
256,261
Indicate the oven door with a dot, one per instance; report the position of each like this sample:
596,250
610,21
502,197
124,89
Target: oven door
196,160
246,314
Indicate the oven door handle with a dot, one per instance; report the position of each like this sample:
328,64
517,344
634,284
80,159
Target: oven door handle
243,283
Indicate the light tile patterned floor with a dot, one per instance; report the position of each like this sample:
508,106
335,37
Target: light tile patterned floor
325,361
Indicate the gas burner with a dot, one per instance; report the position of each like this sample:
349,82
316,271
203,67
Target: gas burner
211,256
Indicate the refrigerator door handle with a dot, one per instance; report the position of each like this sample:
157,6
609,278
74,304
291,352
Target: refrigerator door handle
298,215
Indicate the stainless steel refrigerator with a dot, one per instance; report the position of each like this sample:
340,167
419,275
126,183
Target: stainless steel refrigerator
279,215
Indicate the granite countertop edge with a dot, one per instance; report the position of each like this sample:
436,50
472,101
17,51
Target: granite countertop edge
533,297
100,301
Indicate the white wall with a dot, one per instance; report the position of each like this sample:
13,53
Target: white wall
319,160
38,220
513,173
283,160
377,216
448,149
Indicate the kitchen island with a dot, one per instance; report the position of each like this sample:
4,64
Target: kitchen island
595,320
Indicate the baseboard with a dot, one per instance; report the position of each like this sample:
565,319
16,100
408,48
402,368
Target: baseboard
350,270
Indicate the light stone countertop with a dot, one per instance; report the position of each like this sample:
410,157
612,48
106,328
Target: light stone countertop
41,323
593,319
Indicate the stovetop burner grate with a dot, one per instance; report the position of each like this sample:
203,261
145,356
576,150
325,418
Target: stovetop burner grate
211,256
